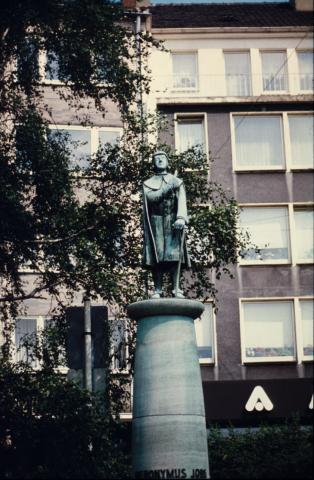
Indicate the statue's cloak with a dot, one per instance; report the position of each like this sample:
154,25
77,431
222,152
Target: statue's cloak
162,243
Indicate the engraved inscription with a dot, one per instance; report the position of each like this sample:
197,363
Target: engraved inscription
173,473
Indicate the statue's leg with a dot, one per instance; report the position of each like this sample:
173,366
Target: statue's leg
177,292
157,278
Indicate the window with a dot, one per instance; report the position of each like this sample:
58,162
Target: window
184,68
281,141
301,129
274,71
190,133
119,345
27,60
80,146
204,330
258,141
268,330
270,238
276,330
109,136
238,77
305,60
26,329
304,235
269,234
86,140
307,316
51,66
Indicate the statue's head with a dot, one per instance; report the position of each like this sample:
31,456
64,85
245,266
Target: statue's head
160,160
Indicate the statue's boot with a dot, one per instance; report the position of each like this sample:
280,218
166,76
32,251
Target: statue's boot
157,294
178,294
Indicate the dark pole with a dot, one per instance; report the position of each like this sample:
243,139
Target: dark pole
88,372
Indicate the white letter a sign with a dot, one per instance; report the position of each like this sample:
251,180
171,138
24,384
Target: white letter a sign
259,400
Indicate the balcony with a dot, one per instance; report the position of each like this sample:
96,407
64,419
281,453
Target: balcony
307,82
223,88
277,83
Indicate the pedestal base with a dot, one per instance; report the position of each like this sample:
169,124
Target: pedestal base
169,429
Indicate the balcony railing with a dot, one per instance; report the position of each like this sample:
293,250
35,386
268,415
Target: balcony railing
307,82
184,82
232,85
278,83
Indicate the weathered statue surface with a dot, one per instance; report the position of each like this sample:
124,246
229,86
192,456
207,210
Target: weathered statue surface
165,221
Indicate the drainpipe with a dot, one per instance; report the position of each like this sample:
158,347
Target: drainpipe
138,25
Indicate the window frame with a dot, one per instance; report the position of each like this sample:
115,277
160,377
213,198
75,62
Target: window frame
42,62
40,320
213,359
286,72
292,167
40,326
193,115
293,231
289,261
117,371
297,51
185,89
303,358
292,240
94,133
299,356
286,142
239,51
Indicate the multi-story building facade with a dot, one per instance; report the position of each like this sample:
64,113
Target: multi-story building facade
239,80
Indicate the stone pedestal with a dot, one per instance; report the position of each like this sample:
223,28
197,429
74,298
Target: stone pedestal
169,430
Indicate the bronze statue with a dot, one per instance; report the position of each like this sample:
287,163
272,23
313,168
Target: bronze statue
165,221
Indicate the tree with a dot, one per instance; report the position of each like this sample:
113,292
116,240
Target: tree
87,243
44,226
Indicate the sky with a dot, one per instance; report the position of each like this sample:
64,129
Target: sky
154,2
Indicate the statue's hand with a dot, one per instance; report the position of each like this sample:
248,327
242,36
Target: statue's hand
179,224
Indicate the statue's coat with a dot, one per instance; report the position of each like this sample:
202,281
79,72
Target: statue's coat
162,243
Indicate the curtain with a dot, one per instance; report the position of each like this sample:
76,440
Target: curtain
305,60
203,330
307,313
238,76
191,133
23,326
269,325
108,136
184,70
52,66
304,224
81,147
274,70
301,137
118,344
268,228
259,141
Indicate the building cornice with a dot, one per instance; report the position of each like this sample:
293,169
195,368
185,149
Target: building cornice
232,32
305,98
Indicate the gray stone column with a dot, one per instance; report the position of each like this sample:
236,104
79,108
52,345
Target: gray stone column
169,430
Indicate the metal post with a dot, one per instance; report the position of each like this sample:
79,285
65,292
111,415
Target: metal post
138,25
88,378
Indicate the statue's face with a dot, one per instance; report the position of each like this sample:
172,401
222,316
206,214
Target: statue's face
161,161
